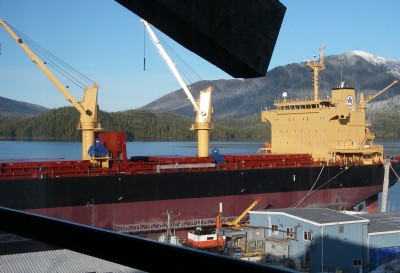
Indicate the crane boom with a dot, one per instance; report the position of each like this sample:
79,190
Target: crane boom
203,108
87,106
363,102
171,65
41,65
236,222
369,98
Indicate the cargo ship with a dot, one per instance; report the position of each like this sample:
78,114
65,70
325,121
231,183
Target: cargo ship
321,154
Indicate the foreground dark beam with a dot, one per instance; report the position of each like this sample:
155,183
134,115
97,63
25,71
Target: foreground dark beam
235,35
131,251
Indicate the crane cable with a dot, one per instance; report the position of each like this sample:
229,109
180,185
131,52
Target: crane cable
313,191
53,61
298,203
394,172
184,67
144,47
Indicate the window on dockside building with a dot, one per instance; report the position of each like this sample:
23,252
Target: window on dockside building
357,262
274,229
289,232
308,235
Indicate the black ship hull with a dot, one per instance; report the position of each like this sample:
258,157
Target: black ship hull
125,199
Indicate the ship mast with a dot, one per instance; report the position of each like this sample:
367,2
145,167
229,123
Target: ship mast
316,67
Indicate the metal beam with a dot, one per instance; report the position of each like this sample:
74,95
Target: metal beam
235,35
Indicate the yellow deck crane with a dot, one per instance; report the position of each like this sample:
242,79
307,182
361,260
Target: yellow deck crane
236,222
369,137
203,108
87,106
369,98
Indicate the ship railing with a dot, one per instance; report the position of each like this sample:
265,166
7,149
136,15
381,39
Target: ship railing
43,165
269,160
352,149
232,162
373,146
306,99
184,166
50,174
41,170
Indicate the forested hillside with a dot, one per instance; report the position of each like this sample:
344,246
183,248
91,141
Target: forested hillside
61,125
15,108
385,117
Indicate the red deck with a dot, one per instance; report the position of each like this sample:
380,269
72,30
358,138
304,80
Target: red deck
54,169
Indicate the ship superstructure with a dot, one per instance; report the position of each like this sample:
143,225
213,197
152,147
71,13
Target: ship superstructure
332,129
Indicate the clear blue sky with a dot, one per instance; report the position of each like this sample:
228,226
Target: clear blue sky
105,41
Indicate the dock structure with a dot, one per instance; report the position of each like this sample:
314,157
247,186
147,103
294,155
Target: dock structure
163,226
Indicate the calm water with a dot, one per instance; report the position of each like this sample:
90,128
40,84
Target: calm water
26,150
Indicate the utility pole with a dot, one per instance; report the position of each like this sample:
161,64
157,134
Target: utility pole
170,216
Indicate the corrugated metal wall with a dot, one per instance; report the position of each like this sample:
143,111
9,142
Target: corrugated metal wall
334,246
384,240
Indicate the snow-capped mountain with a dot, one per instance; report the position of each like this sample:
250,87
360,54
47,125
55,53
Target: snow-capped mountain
393,66
364,71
